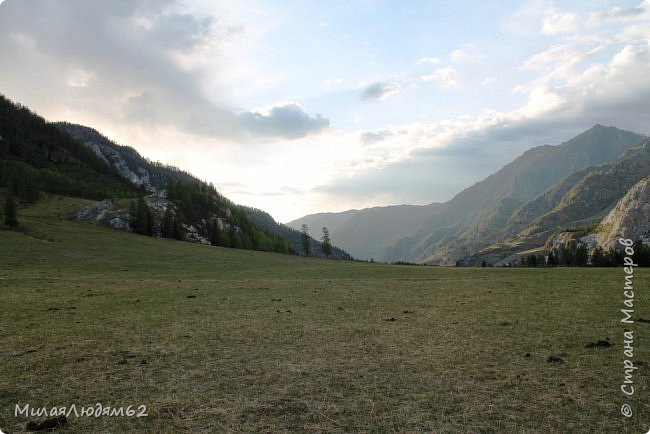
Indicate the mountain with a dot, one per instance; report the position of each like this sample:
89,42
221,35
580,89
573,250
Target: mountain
630,218
597,192
264,221
490,211
126,161
579,209
135,194
528,176
155,178
35,156
364,233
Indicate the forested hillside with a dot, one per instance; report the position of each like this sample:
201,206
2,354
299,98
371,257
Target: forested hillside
36,156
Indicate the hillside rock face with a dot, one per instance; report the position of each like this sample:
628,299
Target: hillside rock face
153,177
109,213
630,218
106,214
564,240
113,155
113,158
591,198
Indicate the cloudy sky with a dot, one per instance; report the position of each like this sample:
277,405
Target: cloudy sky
298,107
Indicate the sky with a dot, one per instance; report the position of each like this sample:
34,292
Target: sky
297,107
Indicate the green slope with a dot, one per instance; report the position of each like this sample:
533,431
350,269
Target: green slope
76,161
35,156
222,340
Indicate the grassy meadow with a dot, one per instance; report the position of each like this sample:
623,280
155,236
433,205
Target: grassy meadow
219,340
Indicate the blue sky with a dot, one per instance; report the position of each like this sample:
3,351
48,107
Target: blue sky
300,107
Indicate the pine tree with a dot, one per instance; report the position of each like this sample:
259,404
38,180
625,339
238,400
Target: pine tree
237,242
567,257
216,236
581,256
641,255
598,257
167,225
143,219
132,214
327,243
179,230
306,240
11,212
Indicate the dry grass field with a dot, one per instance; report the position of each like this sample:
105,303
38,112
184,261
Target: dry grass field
219,340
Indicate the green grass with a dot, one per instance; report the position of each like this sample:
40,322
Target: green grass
274,343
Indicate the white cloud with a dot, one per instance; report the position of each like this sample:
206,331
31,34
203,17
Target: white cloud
335,81
524,21
128,63
488,80
79,77
620,14
555,22
380,90
287,121
453,153
377,136
431,60
552,57
457,55
156,75
447,76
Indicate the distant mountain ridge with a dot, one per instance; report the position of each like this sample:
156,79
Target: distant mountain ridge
586,208
366,232
499,207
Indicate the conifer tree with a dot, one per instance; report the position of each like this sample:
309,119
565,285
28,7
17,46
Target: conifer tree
143,219
306,240
327,243
581,256
216,236
11,212
167,226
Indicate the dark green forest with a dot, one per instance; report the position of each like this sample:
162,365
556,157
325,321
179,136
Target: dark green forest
38,157
581,257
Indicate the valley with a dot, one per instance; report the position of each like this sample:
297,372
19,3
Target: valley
212,339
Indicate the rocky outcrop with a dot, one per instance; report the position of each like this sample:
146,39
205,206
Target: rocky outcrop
564,240
193,236
104,213
114,155
109,154
630,218
108,213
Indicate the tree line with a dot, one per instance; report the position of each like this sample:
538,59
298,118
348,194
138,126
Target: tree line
214,217
580,257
